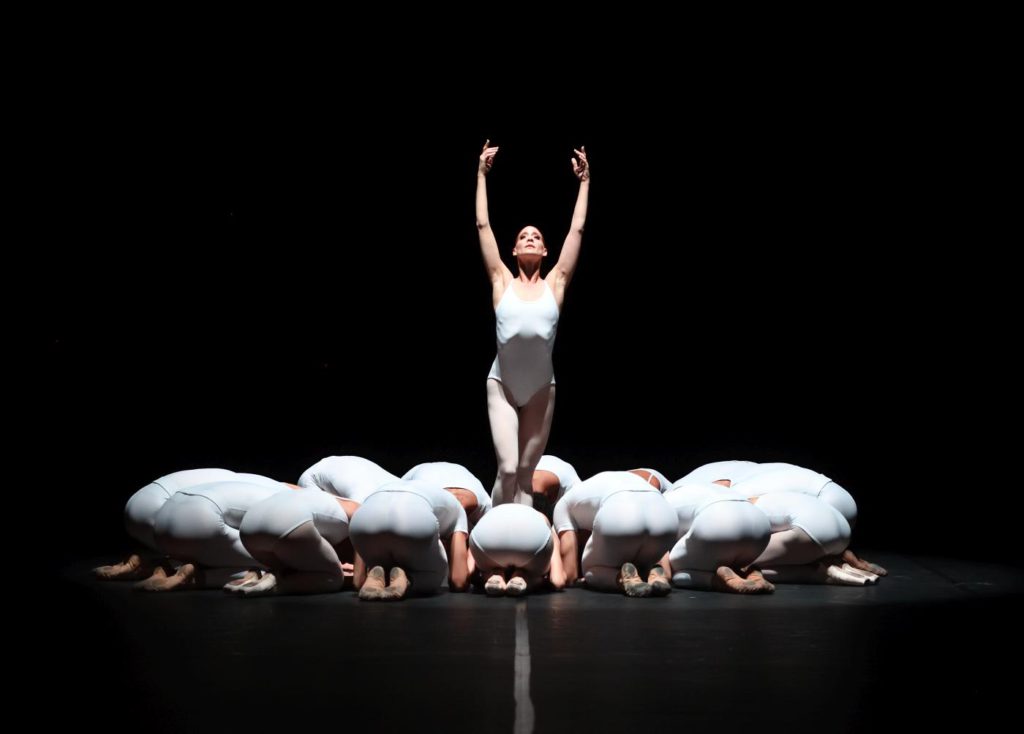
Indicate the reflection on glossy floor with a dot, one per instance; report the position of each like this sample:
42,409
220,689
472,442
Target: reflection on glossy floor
919,650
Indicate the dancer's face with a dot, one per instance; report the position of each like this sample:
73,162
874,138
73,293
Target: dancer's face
529,242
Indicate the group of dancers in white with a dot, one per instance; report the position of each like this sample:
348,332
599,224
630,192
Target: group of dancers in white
733,526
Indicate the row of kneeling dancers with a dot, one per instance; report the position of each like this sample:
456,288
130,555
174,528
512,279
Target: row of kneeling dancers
731,526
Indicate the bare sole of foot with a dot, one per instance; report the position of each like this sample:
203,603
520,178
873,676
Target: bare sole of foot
399,586
187,576
130,569
763,585
631,582
373,587
850,557
495,585
727,580
659,582
159,574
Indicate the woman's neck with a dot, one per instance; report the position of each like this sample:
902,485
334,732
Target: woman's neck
529,273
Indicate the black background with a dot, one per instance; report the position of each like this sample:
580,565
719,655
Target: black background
252,271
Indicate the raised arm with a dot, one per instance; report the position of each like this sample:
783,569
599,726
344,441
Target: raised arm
496,269
567,259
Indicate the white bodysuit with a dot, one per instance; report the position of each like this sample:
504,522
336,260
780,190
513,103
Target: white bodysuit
756,480
567,476
447,474
268,531
141,509
512,537
718,526
630,521
402,524
350,477
200,524
526,339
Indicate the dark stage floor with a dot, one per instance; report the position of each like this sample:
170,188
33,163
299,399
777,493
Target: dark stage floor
919,650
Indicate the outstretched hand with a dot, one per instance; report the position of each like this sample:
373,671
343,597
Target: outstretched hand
581,168
487,157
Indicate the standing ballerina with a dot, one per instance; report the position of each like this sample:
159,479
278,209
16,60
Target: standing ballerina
521,383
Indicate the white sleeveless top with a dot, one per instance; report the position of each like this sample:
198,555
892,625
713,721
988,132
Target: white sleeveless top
526,338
